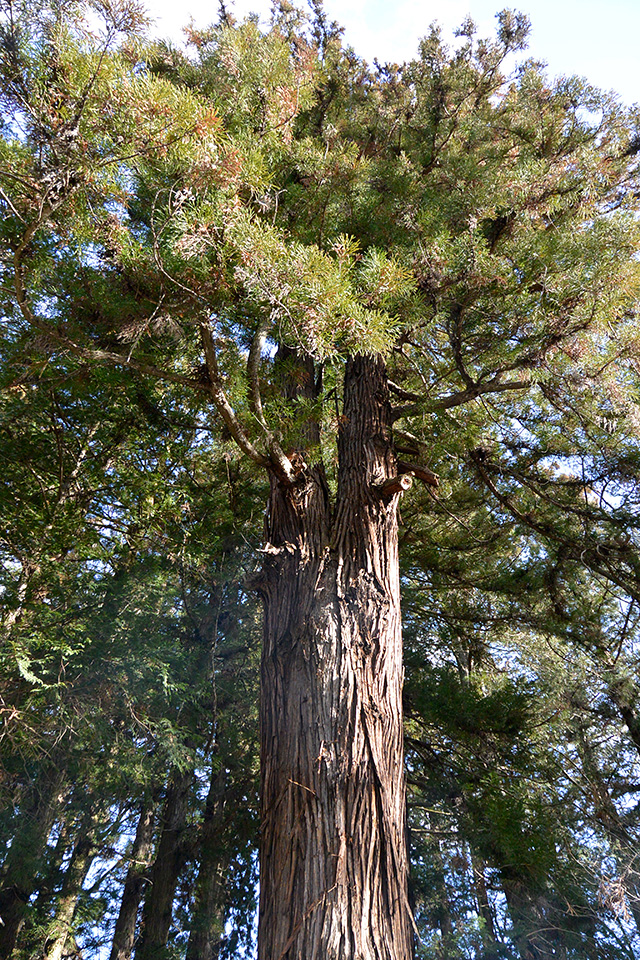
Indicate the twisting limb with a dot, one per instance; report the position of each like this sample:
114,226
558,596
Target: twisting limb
222,405
253,371
402,393
495,385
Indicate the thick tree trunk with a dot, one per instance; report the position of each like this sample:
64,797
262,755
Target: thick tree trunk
333,869
125,930
165,872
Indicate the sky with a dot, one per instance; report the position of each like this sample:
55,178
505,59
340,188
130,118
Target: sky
596,39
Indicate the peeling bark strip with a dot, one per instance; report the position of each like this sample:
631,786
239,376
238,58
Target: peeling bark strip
333,874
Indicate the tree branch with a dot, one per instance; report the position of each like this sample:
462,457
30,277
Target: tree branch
221,403
394,485
279,459
458,399
253,368
419,472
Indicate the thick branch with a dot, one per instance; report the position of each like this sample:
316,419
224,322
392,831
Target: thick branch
420,473
394,485
478,390
280,460
253,372
495,385
402,393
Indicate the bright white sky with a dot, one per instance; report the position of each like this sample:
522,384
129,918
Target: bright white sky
596,39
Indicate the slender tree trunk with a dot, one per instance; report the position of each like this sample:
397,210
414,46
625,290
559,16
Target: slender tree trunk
485,912
441,913
43,901
67,900
605,811
207,924
165,872
26,854
333,869
141,851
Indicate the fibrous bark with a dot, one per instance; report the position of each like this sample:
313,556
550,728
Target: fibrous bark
333,873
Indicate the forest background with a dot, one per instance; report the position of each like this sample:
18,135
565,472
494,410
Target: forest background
483,239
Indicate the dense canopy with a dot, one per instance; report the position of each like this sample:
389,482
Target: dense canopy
396,307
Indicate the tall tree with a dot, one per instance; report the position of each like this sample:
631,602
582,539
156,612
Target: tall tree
284,240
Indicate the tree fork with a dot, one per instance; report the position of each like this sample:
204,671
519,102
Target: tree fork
334,867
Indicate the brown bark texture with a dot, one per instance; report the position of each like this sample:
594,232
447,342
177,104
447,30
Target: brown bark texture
333,868
136,879
165,871
209,910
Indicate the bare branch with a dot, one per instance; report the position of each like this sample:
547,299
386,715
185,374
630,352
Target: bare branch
253,370
222,405
477,390
402,393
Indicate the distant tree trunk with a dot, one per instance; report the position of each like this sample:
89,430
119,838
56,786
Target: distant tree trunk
441,912
141,852
26,854
533,934
54,858
606,813
67,900
333,869
489,938
207,924
165,871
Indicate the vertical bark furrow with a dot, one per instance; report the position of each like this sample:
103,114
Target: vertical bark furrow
333,819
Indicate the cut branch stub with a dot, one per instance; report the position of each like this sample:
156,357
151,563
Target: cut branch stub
420,473
394,485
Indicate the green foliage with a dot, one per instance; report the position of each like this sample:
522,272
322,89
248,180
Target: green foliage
193,243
